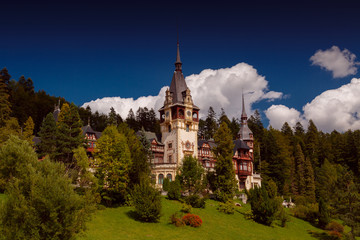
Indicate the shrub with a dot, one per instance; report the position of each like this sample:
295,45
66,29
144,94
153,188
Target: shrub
335,227
334,235
147,202
192,220
166,183
174,190
306,212
195,201
176,219
263,207
282,216
186,208
228,207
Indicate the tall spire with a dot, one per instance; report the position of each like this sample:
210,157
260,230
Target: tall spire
243,114
178,61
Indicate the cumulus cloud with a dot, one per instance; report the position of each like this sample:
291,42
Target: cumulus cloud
279,114
337,109
340,63
220,88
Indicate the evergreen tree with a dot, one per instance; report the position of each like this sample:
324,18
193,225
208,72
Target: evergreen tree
112,120
11,127
28,132
286,130
225,175
190,175
131,121
299,186
312,143
323,217
202,129
256,126
139,167
210,124
224,118
47,133
234,127
114,160
68,134
327,177
5,109
309,181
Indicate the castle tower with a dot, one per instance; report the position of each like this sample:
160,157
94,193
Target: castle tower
179,120
245,133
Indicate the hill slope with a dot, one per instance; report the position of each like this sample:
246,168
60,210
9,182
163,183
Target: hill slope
116,223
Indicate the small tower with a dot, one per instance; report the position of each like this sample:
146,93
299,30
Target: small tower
179,120
245,134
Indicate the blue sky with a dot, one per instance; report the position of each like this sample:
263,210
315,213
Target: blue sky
94,49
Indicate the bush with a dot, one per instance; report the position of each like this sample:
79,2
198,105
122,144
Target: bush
147,202
228,207
335,226
186,208
195,201
283,217
263,207
176,219
166,183
174,190
192,220
334,235
307,212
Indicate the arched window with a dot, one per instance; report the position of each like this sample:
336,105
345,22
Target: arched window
169,128
169,176
161,179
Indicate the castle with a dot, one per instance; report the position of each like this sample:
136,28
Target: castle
179,121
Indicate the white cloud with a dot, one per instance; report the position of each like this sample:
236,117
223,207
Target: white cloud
279,114
337,109
340,63
216,88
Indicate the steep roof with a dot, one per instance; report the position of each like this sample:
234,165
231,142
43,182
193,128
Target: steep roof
178,84
238,144
88,129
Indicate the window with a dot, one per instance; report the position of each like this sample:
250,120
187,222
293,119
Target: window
169,176
242,185
169,128
161,179
187,128
207,164
170,158
170,146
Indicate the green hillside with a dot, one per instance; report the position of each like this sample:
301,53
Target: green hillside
116,223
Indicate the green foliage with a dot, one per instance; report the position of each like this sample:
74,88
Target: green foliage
225,184
195,201
11,128
174,190
190,175
15,156
28,133
139,164
68,134
307,212
186,208
47,133
41,202
176,219
147,202
323,215
210,124
228,207
114,158
282,216
263,207
166,184
335,226
5,107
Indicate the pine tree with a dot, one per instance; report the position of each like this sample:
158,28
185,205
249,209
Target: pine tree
68,134
140,167
28,132
299,186
114,158
210,124
225,174
112,117
309,181
312,143
11,127
190,176
5,108
131,121
47,134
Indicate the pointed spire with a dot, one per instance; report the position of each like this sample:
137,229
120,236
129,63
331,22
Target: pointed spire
243,114
178,61
88,121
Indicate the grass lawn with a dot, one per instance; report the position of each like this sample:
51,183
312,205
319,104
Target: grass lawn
115,223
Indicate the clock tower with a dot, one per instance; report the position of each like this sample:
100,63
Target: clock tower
179,121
